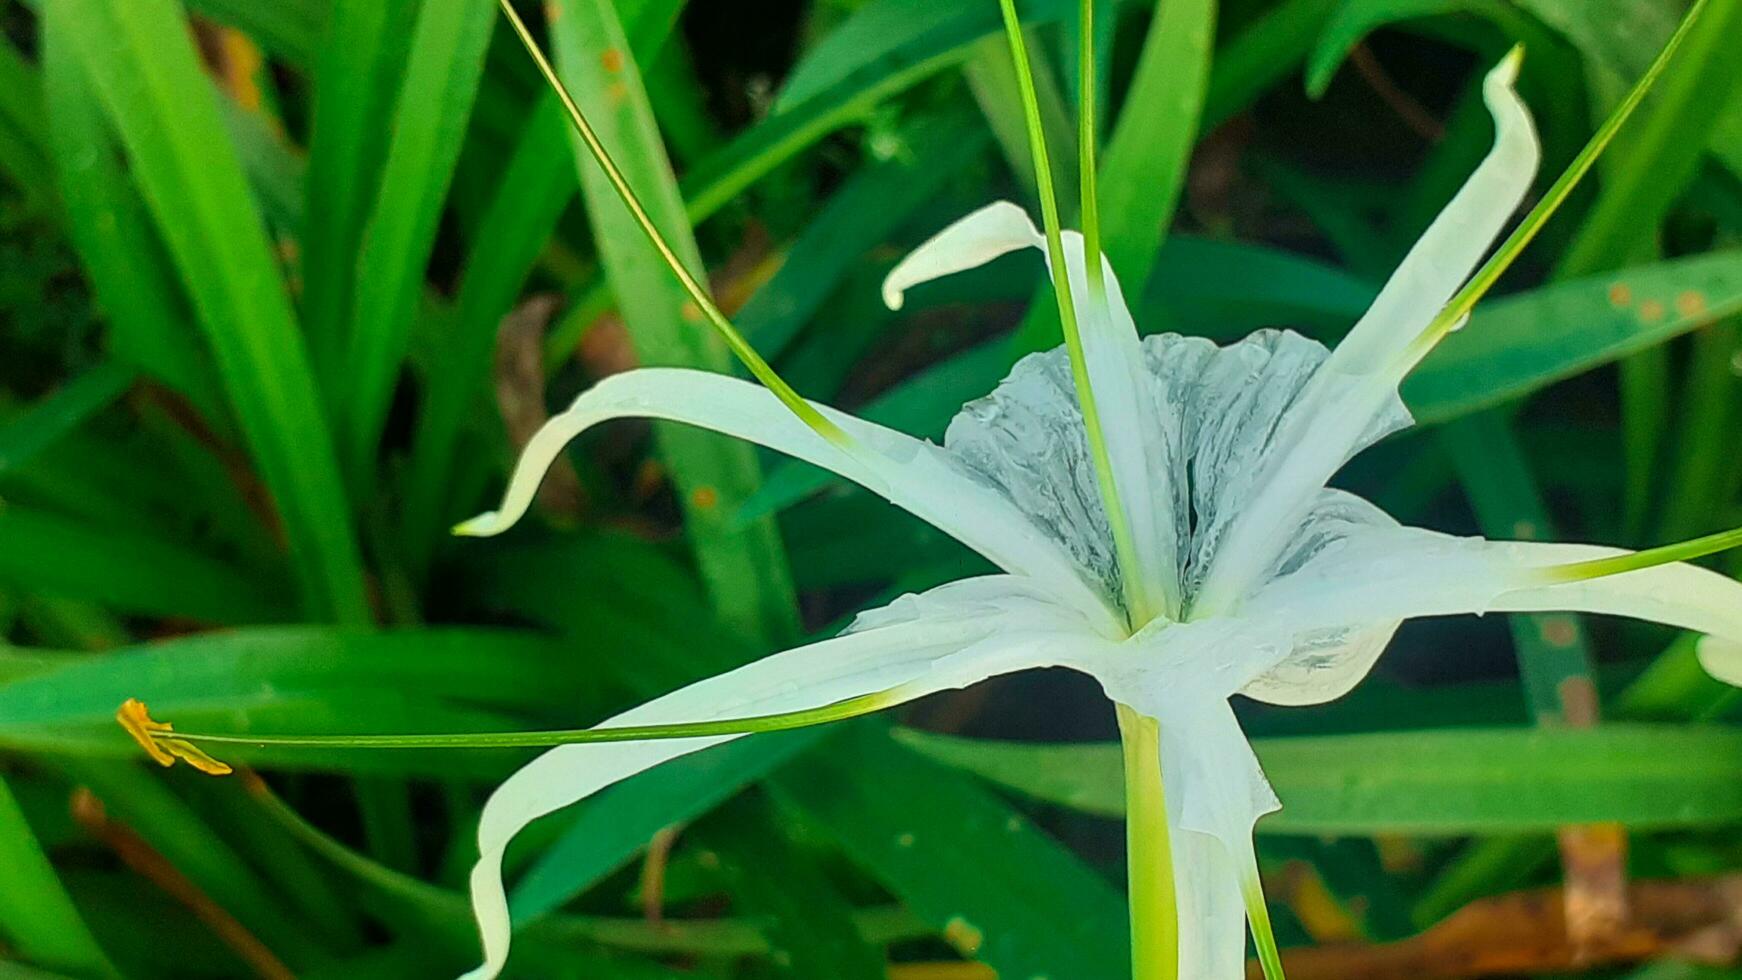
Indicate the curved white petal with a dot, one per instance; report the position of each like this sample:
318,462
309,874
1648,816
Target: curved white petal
1360,378
911,473
950,637
1139,443
1382,575
1722,659
1323,665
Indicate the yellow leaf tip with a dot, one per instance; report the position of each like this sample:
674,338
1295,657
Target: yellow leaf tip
159,742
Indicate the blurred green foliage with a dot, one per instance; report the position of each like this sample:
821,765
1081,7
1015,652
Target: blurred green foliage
284,285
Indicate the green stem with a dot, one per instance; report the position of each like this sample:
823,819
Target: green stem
1149,852
1091,212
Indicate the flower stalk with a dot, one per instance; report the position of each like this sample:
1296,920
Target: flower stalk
1148,851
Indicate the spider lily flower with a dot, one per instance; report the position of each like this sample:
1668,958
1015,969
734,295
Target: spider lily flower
1258,579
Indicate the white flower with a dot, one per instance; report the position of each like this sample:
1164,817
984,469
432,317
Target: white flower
1263,581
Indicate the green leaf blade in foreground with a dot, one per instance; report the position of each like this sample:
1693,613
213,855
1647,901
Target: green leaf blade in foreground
742,564
1431,783
1517,344
139,55
36,914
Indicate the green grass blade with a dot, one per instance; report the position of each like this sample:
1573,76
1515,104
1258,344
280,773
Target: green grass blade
1554,658
810,921
1517,344
1428,783
112,233
291,28
428,126
357,84
999,889
742,565
130,571
36,913
64,410
140,58
24,140
1143,172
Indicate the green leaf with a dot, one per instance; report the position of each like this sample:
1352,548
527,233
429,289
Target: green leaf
357,82
997,888
291,28
24,141
1518,344
1554,659
1144,170
67,408
132,571
36,914
220,678
1355,19
606,831
811,932
1428,783
141,800
141,60
110,228
741,564
428,126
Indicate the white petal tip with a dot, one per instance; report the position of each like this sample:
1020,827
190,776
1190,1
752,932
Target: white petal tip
1506,72
893,297
485,525
1721,658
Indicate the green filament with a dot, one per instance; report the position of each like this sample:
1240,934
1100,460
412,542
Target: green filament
1137,602
740,347
839,711
1527,230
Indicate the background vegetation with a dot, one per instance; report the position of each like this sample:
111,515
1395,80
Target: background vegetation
284,284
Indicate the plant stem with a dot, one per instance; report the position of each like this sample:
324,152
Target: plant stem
1149,852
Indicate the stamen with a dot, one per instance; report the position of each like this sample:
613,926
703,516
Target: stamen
159,740
1557,194
1124,545
806,412
1581,571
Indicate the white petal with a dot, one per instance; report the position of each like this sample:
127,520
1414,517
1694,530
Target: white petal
1208,764
972,241
910,473
950,637
1722,659
1215,789
1113,358
1386,574
1360,379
